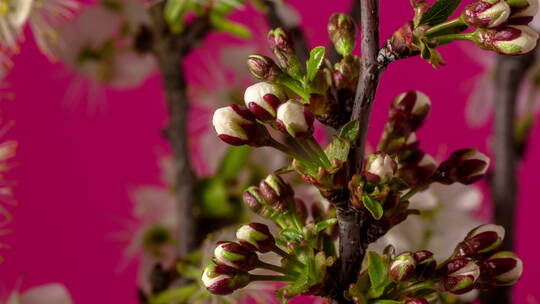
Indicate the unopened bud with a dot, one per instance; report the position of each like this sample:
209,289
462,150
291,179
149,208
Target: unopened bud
263,68
486,13
256,237
263,99
236,126
234,255
460,275
416,105
223,280
482,239
509,40
417,168
275,190
254,200
380,168
282,46
523,11
464,166
295,119
402,267
342,31
425,264
505,268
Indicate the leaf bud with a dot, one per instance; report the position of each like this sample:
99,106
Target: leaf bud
342,31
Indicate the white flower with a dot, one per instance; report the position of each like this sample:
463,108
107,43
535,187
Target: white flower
53,293
13,16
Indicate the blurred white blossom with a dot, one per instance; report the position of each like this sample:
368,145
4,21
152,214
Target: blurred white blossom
53,293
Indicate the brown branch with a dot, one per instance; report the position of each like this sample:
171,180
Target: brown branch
170,50
510,72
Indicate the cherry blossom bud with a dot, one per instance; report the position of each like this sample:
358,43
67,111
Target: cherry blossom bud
234,255
486,13
256,237
274,188
482,239
402,267
464,166
509,40
460,275
380,168
236,126
222,280
282,46
417,168
505,268
425,264
523,11
263,68
416,105
263,99
415,301
342,31
295,119
254,200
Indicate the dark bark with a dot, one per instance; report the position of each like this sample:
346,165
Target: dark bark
510,72
170,50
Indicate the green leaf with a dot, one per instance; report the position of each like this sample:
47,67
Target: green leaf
373,206
220,23
320,226
225,7
291,235
174,13
233,162
439,12
338,149
175,295
350,130
213,198
377,274
316,57
295,86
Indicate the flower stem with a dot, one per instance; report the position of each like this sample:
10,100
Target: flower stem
445,39
279,278
288,257
275,268
448,25
319,151
312,154
281,147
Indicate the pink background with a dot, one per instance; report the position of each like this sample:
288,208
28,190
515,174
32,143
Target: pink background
73,169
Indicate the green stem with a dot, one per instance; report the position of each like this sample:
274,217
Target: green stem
448,25
319,151
278,278
276,268
288,257
445,39
412,192
281,147
312,154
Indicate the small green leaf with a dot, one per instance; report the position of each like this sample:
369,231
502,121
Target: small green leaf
291,235
316,57
233,162
174,13
220,23
350,130
175,295
295,86
338,149
439,12
373,206
320,226
377,273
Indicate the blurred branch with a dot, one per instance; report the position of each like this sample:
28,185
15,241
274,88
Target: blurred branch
510,72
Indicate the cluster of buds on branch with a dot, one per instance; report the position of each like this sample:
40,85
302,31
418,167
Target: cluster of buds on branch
415,277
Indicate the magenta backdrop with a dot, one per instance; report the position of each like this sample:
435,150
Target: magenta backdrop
73,169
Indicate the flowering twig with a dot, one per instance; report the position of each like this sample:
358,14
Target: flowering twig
510,72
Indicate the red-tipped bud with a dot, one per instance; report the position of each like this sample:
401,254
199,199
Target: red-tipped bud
402,267
523,11
480,240
256,237
415,105
425,264
255,201
464,166
295,119
276,192
460,275
236,256
222,279
417,168
263,68
342,31
380,168
509,40
504,268
236,126
282,45
486,13
263,99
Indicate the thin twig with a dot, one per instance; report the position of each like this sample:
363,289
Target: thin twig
510,72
